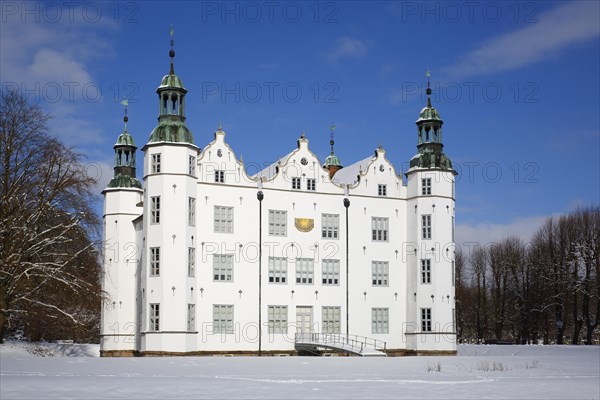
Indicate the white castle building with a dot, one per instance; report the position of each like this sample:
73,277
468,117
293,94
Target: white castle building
302,257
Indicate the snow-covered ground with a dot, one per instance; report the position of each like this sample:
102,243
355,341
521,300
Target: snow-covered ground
38,371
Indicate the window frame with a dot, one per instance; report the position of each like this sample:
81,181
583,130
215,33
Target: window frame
426,227
311,184
382,190
155,163
296,183
380,273
330,271
426,186
330,226
223,270
191,317
191,211
278,269
331,319
221,223
154,261
191,262
154,317
380,233
225,323
426,320
192,165
277,316
305,270
154,210
278,223
219,176
380,320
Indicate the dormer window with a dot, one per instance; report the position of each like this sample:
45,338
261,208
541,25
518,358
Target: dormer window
296,183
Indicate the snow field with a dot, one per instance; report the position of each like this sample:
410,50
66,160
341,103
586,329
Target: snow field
478,372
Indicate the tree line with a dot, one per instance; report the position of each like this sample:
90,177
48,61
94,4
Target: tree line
49,263
545,290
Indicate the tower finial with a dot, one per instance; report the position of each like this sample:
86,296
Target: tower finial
125,103
331,141
428,89
172,51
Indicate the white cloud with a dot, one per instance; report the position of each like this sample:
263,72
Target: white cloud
557,29
53,64
486,233
347,47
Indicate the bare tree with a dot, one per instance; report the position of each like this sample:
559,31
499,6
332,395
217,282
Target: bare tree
46,219
478,261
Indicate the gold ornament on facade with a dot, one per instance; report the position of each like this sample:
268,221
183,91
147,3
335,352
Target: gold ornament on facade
304,224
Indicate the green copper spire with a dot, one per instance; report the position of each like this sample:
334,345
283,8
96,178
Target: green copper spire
332,162
171,94
124,170
429,124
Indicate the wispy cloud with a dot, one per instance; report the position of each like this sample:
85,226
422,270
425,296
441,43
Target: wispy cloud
557,29
347,47
53,63
486,233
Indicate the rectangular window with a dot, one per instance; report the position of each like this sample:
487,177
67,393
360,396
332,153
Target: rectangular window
191,317
223,219
380,271
305,268
222,318
296,183
155,209
155,164
191,262
330,225
154,317
154,261
331,272
379,320
220,176
311,184
192,165
277,223
331,319
223,267
191,211
278,319
425,319
277,270
426,271
426,227
379,229
426,186
382,190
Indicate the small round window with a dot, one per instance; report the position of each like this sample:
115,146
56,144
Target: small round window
219,153
304,161
381,168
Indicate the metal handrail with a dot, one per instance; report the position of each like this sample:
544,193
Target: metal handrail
334,338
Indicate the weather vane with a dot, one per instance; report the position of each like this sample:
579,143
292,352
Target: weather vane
172,34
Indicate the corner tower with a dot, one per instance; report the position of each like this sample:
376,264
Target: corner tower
430,224
122,198
169,246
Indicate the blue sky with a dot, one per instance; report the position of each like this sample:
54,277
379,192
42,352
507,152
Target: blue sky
517,84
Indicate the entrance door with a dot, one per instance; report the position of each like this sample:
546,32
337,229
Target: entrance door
304,324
